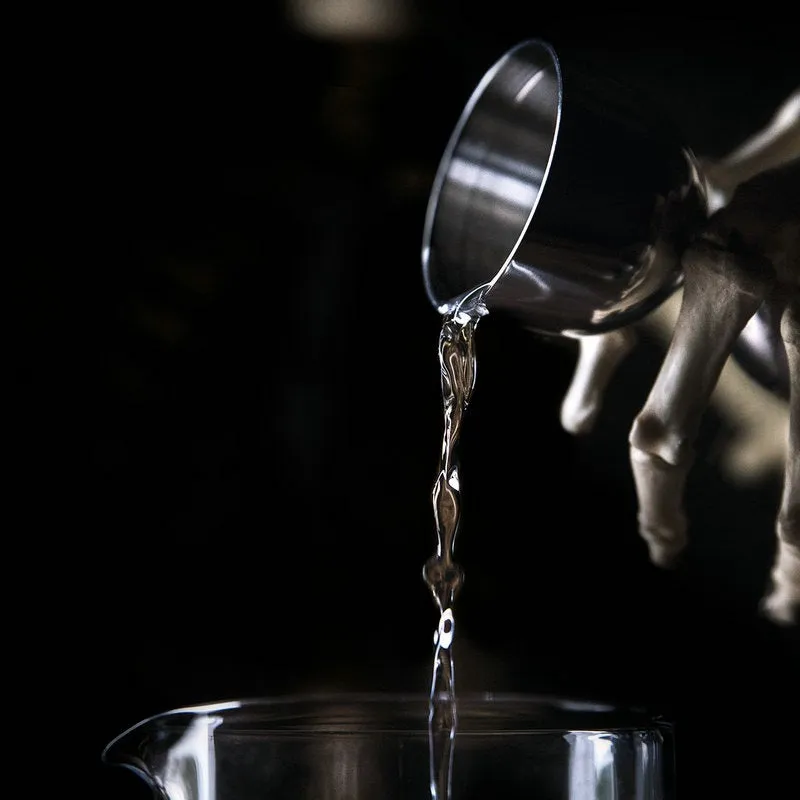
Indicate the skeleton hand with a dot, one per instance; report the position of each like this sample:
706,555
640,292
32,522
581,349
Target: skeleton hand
748,254
774,146
758,419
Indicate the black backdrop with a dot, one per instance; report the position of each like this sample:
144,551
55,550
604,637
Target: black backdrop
232,337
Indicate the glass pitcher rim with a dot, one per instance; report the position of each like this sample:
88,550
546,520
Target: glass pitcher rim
403,713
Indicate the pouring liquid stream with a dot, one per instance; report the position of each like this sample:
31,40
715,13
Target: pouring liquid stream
442,574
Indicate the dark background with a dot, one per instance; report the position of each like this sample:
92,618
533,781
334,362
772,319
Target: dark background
235,383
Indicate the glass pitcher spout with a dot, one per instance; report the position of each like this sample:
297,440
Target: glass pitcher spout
173,752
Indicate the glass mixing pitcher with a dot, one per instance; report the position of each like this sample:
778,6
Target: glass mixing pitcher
365,747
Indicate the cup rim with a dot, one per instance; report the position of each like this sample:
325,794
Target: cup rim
406,714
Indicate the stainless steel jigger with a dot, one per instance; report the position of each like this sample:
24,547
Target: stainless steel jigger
561,202
555,203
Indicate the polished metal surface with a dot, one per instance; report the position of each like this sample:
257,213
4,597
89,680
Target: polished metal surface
558,200
561,203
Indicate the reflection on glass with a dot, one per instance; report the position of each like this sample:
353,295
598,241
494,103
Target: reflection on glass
190,770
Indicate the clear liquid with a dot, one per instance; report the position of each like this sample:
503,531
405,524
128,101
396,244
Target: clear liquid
443,576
